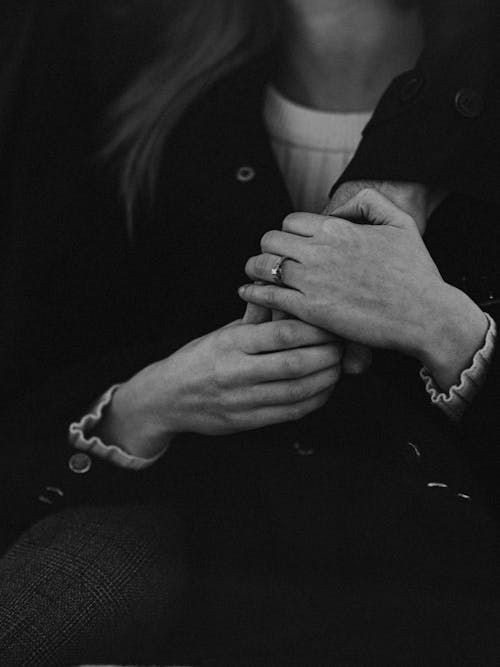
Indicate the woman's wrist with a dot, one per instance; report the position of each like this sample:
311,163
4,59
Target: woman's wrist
127,424
454,331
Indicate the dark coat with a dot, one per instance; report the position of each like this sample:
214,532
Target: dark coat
81,308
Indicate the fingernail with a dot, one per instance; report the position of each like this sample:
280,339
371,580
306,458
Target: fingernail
242,289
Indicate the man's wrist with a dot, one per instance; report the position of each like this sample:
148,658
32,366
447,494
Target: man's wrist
417,199
454,331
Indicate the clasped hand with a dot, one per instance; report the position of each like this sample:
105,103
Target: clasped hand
371,284
241,377
375,284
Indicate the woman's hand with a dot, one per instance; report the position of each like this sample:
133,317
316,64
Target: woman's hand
374,284
416,199
238,378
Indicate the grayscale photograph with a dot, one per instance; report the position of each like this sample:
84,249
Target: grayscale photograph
249,310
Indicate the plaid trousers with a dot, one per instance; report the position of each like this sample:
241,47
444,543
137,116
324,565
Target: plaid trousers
91,584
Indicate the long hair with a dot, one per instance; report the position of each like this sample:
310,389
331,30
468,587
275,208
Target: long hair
187,45
194,43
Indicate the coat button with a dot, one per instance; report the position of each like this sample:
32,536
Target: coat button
303,451
415,450
411,88
51,495
80,463
469,103
245,174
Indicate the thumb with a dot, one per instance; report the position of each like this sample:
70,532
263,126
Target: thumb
256,314
371,207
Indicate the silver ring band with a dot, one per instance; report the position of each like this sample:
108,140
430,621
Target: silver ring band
277,271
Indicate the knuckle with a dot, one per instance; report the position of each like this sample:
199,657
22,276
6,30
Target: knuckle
267,239
366,194
261,263
328,223
284,334
295,393
366,199
293,365
269,299
290,219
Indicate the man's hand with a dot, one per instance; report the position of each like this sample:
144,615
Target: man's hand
371,284
418,200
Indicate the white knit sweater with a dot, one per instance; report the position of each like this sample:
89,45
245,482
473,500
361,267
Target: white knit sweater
312,147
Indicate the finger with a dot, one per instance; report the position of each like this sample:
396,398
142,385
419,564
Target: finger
343,194
357,359
282,335
256,314
230,325
303,224
273,297
292,364
268,416
284,392
371,206
284,244
280,315
260,268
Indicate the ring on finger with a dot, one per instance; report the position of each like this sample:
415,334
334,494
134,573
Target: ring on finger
277,271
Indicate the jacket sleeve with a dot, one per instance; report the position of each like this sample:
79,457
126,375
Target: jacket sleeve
35,473
481,428
438,123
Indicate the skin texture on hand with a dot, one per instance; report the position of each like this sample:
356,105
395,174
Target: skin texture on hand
238,378
373,284
418,200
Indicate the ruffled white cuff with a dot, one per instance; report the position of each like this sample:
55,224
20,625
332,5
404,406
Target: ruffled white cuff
460,396
80,436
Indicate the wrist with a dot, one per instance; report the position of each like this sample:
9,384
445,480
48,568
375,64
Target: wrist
130,426
454,331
